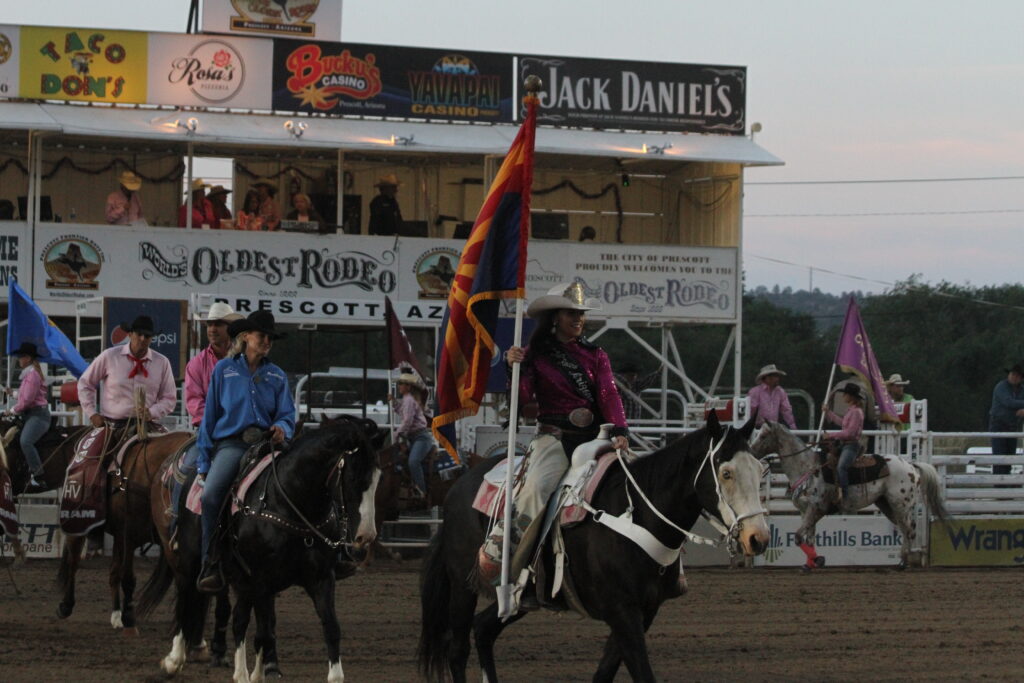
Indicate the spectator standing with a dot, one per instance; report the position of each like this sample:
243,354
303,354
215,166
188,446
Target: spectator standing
123,204
1006,413
385,214
895,386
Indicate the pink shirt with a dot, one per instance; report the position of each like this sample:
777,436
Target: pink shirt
121,210
112,367
32,392
197,383
771,404
542,381
852,421
411,413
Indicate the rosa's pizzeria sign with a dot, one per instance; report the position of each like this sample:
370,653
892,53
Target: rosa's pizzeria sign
210,71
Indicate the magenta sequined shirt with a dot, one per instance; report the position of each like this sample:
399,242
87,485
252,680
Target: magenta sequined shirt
542,381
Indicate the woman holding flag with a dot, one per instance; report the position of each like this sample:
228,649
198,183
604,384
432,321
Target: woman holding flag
571,381
852,422
33,406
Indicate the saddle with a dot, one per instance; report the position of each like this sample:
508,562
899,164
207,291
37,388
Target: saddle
8,512
865,469
257,459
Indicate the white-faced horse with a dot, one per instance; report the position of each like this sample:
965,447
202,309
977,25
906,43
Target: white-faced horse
895,495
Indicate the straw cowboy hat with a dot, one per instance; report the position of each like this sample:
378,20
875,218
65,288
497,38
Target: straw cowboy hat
410,378
258,321
769,370
567,296
389,179
896,379
26,349
198,184
222,312
130,180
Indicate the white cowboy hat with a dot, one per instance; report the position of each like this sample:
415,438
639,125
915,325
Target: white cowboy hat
897,379
409,378
220,311
769,370
567,296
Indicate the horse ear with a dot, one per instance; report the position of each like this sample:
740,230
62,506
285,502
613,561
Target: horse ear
714,426
748,427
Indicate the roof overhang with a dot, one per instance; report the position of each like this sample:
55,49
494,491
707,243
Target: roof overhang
274,131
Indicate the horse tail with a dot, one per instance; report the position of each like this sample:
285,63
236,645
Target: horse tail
156,587
435,594
932,492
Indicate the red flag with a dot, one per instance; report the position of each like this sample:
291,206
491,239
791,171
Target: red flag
492,267
855,355
400,353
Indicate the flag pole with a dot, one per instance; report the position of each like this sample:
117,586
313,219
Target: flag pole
532,85
828,392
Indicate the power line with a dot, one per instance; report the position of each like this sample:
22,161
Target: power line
880,213
887,180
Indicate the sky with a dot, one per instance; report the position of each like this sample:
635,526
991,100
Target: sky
854,91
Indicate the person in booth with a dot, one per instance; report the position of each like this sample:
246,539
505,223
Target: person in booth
249,215
385,214
269,211
571,381
123,204
202,208
304,211
849,436
768,400
248,395
218,197
122,369
34,408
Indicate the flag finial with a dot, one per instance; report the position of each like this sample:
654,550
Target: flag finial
533,84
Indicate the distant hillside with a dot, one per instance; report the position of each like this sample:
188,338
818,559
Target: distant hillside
826,309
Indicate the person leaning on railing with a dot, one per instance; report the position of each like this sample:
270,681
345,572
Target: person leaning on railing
1006,413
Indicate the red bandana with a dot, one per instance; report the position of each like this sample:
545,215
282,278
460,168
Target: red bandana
140,366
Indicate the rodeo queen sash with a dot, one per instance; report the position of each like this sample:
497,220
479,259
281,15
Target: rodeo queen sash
578,379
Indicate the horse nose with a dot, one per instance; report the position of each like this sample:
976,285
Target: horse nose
755,546
756,540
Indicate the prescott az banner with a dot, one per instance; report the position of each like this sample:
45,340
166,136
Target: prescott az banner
380,80
83,64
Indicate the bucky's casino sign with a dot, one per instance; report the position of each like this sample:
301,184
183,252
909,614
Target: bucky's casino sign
377,80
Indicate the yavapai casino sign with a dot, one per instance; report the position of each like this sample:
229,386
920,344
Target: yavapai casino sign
307,268
601,93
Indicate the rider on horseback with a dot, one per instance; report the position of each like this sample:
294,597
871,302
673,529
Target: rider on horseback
571,381
32,405
409,406
246,391
853,424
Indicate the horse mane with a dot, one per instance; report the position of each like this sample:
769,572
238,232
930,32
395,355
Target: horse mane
667,462
340,433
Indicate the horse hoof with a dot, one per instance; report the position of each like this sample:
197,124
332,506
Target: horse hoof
130,631
804,569
819,561
64,611
272,670
219,662
901,566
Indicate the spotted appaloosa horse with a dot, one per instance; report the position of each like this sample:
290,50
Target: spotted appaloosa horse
895,495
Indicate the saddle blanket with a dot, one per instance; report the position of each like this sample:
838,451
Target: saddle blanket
865,469
194,501
488,501
83,502
8,513
571,513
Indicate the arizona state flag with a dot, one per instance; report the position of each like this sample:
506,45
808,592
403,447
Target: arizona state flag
492,267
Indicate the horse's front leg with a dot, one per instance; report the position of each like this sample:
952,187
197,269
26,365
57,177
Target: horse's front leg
627,624
239,625
612,656
128,591
66,576
266,636
117,562
805,537
218,643
322,594
486,629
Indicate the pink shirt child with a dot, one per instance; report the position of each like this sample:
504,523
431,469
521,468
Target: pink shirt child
113,367
852,422
32,392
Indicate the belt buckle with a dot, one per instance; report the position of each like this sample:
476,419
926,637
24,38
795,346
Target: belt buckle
252,435
581,417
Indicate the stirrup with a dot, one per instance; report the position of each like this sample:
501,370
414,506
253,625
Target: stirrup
210,580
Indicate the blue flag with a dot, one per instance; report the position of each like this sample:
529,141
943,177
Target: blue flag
26,323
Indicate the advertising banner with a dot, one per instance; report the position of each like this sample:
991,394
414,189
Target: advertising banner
843,541
14,254
168,322
305,19
38,531
90,65
210,71
379,80
9,51
345,278
614,94
978,542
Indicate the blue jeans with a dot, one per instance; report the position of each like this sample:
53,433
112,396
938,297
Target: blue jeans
420,445
846,458
37,423
1003,446
227,454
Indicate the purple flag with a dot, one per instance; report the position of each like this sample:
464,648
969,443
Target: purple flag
855,355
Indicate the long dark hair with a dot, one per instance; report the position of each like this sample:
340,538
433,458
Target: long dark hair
543,336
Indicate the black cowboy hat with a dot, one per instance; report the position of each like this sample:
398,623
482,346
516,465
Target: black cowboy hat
1016,367
26,349
258,321
142,324
853,390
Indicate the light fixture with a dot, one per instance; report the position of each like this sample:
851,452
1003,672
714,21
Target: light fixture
402,140
755,127
190,126
655,149
296,129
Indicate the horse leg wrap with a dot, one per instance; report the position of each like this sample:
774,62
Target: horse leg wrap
810,552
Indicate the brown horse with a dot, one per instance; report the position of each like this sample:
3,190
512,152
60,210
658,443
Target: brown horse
130,523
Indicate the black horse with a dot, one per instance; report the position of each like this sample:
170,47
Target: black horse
296,517
56,448
614,579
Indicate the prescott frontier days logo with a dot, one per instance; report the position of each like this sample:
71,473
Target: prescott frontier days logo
72,262
287,17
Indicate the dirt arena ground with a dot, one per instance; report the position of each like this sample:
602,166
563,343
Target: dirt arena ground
735,625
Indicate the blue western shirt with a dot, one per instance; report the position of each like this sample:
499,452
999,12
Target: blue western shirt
238,399
1006,401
